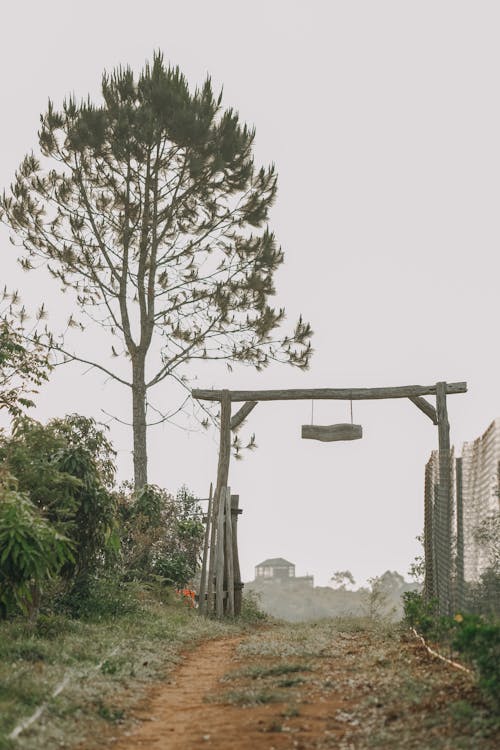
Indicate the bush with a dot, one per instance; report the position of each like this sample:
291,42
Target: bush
161,536
472,637
251,607
479,643
32,551
66,467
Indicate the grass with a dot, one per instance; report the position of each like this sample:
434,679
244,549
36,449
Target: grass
262,671
121,645
247,697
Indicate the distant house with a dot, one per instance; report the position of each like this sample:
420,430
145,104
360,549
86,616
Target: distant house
279,570
276,567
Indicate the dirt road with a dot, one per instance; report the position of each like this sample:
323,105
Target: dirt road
312,686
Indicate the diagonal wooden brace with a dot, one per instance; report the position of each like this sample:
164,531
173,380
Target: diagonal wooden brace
242,414
425,406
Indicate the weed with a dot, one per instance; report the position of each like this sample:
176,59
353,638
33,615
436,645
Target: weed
256,672
110,714
251,608
275,726
291,682
246,697
290,711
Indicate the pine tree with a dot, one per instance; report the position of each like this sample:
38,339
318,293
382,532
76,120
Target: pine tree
150,208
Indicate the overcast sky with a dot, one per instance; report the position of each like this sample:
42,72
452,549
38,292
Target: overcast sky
383,120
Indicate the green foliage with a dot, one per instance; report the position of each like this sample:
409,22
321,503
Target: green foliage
24,366
32,551
421,614
471,636
66,468
251,607
479,642
161,535
417,567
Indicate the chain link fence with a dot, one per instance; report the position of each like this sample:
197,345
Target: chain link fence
462,535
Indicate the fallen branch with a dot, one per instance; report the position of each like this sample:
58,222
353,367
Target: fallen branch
440,656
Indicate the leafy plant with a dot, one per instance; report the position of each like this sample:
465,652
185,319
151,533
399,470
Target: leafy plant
66,467
469,635
161,535
32,550
24,366
479,642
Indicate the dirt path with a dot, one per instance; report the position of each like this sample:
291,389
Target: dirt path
312,686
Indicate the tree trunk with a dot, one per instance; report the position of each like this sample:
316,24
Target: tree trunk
139,424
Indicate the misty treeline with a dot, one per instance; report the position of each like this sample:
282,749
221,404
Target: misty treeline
296,600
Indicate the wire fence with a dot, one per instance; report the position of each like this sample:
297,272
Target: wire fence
462,531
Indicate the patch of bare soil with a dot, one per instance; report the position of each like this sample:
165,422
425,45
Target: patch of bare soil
312,686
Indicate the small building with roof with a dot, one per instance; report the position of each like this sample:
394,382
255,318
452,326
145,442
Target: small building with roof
279,570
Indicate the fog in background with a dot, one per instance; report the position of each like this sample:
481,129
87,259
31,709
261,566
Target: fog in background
383,119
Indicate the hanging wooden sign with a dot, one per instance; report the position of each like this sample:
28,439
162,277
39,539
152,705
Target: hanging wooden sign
331,432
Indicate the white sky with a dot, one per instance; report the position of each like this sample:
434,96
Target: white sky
383,119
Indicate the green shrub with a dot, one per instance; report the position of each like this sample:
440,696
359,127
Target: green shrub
66,467
32,551
251,607
472,637
161,535
479,643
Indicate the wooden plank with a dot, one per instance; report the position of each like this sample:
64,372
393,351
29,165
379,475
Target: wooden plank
328,433
426,407
341,394
211,559
219,557
228,538
224,443
242,414
238,585
202,604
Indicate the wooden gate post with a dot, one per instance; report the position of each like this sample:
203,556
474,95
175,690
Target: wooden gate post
222,477
445,504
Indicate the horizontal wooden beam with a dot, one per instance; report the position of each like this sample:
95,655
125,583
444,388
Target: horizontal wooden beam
242,414
339,394
426,407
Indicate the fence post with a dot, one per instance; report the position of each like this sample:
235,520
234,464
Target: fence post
219,557
222,478
228,539
429,580
202,603
444,504
460,538
238,586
